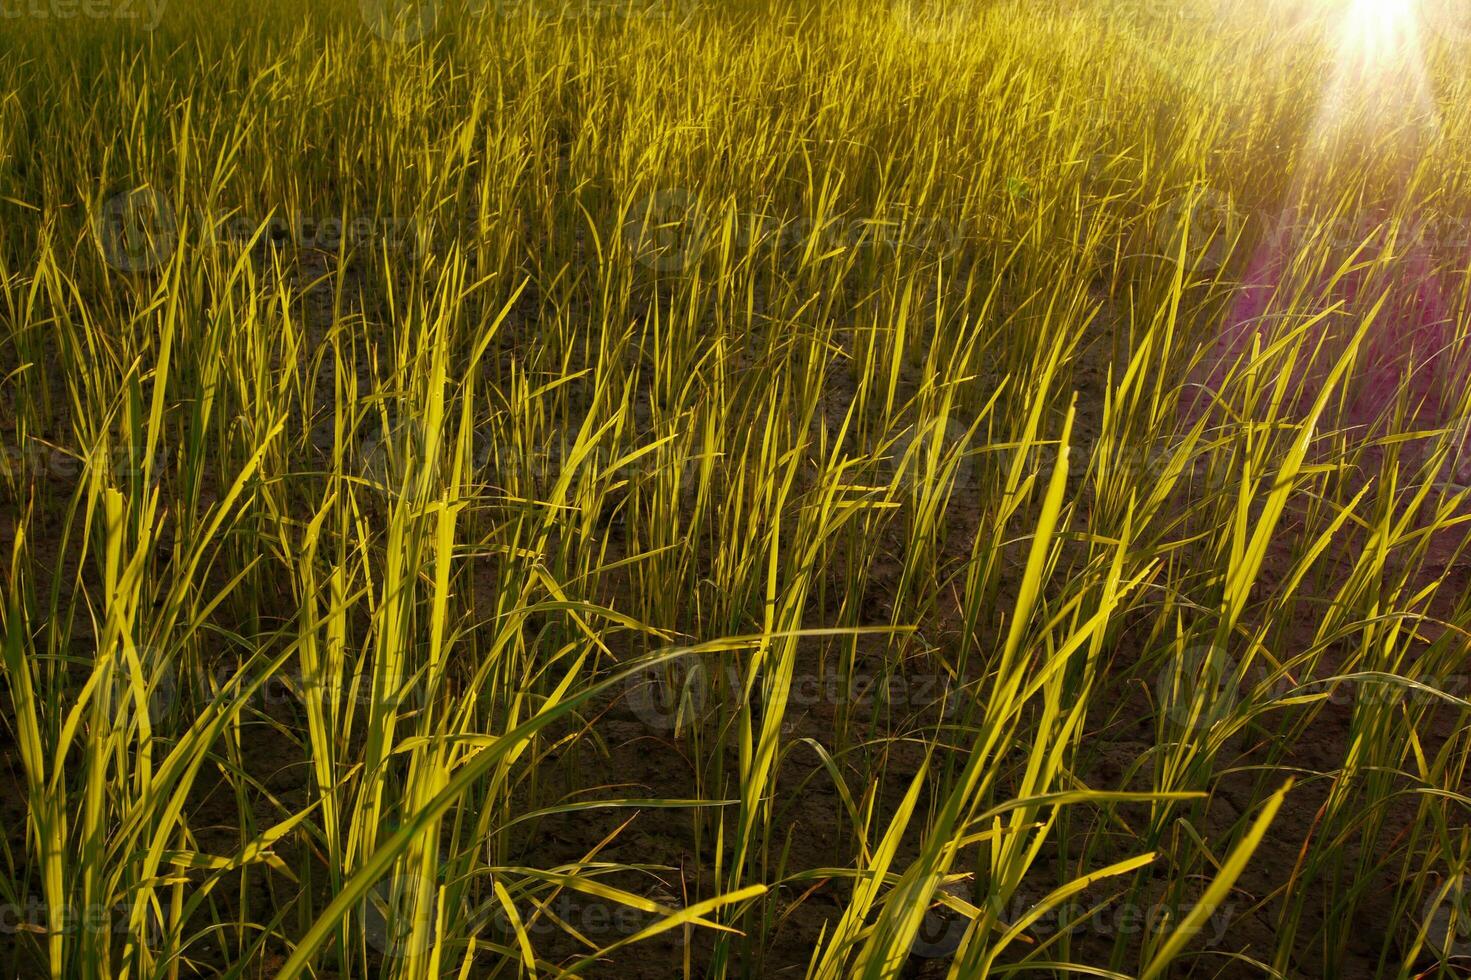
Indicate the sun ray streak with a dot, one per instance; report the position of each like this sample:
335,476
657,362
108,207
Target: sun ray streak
1376,118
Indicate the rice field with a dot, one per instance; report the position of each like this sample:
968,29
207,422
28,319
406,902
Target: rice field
735,488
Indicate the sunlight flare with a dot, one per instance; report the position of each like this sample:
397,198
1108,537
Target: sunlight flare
1379,69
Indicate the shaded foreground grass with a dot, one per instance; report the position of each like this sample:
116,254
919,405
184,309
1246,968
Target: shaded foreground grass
751,489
